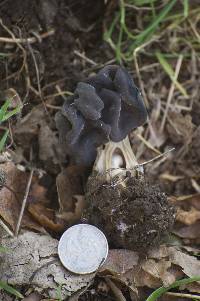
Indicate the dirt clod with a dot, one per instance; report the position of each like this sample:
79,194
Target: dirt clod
132,214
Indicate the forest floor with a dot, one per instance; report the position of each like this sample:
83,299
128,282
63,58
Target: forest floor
46,47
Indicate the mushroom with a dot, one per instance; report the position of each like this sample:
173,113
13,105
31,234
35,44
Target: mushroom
95,123
105,107
132,214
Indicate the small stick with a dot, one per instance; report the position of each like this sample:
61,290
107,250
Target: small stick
171,91
28,40
5,227
81,55
183,295
144,163
156,158
24,202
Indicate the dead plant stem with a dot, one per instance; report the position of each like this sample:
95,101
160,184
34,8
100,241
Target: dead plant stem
24,202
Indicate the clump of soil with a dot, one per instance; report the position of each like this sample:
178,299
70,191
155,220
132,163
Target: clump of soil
131,213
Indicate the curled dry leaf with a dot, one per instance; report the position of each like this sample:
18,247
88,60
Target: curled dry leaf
29,126
162,266
46,217
70,200
70,187
188,217
11,196
190,265
32,261
36,125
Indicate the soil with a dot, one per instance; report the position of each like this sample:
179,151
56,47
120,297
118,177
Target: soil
75,29
132,214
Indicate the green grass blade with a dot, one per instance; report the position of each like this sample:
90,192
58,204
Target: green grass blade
123,22
160,291
153,26
10,289
185,8
108,33
142,2
4,109
170,72
11,113
147,33
3,140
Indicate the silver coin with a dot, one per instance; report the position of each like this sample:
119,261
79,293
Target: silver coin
83,248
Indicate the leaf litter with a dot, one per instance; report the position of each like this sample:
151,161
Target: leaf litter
53,205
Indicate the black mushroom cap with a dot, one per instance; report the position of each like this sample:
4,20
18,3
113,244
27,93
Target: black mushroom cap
105,107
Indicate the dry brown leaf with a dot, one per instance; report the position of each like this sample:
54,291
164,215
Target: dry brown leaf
180,128
120,261
71,202
36,125
69,183
29,126
159,269
166,265
190,265
188,232
49,148
158,253
188,217
46,217
73,216
11,197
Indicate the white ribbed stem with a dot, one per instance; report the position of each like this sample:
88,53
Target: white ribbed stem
115,157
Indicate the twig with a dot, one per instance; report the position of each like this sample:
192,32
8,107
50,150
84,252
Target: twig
156,158
148,144
28,40
183,295
171,91
5,227
24,202
36,70
81,55
140,79
116,291
18,44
